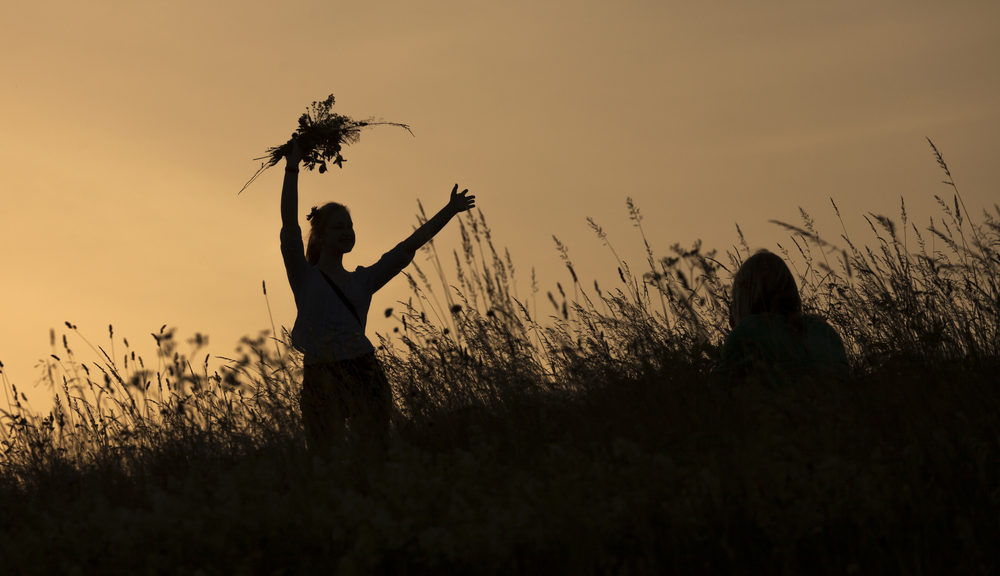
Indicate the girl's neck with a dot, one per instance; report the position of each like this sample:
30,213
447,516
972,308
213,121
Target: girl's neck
332,263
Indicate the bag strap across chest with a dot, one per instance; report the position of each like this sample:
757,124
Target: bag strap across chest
343,298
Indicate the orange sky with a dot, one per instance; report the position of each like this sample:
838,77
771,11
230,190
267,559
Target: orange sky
128,127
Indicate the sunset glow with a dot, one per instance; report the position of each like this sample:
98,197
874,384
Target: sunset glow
128,129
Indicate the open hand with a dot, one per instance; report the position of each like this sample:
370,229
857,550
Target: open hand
461,201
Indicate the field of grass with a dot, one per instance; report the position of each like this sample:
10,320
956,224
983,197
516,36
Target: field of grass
582,435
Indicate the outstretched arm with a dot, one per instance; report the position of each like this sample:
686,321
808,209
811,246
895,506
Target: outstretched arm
290,187
458,203
396,259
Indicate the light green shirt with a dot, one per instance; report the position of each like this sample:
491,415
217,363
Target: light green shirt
765,345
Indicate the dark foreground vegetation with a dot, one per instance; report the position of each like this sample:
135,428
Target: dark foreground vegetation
591,440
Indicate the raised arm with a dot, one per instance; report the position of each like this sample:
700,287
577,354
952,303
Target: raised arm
290,188
399,257
458,203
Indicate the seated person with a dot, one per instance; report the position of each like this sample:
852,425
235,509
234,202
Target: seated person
771,339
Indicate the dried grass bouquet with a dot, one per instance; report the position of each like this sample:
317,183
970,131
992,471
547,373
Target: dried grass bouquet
322,134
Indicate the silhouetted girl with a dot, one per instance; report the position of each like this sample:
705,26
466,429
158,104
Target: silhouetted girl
771,338
342,379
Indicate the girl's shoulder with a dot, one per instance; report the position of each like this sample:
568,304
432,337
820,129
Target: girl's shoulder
359,274
825,344
818,326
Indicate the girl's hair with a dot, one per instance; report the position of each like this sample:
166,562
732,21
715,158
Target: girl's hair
318,218
765,285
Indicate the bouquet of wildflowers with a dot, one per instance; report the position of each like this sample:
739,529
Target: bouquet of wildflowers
321,134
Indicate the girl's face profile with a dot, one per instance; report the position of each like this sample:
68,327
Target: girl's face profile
338,235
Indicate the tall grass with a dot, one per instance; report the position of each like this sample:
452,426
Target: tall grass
929,294
578,430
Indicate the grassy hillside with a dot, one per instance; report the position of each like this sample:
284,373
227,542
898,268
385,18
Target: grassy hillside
586,437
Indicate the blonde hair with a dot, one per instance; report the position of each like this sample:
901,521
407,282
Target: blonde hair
318,218
765,285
